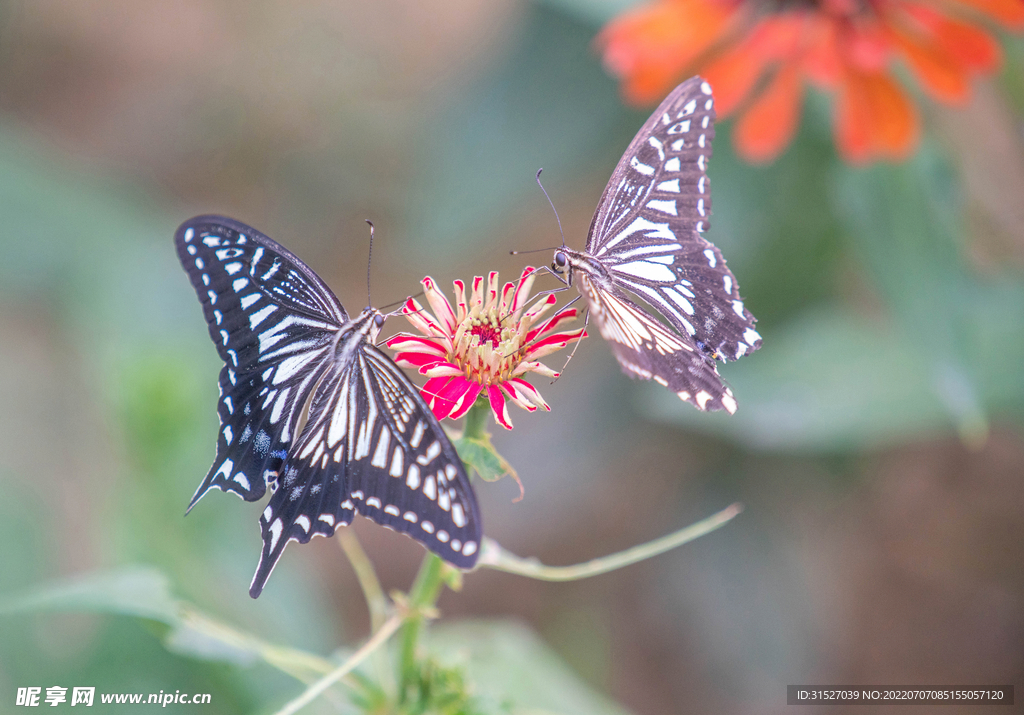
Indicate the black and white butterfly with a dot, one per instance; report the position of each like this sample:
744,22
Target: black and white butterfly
645,241
312,410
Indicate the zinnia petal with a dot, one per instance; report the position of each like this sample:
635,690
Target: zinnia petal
770,122
733,75
529,392
968,44
414,343
536,367
466,400
939,73
1009,12
522,291
420,319
874,119
539,308
460,300
439,304
551,323
443,369
419,361
492,290
649,47
445,394
552,343
498,406
520,400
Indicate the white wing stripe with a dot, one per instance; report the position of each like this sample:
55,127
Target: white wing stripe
647,270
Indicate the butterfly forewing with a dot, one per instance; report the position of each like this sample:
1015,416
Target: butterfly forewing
662,176
249,287
315,411
645,238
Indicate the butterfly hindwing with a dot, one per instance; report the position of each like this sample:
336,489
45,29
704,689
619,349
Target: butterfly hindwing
373,442
646,239
310,409
647,349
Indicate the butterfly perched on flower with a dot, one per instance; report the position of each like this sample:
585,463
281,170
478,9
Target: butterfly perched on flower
312,410
645,242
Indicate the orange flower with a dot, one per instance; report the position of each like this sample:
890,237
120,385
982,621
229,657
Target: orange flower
758,55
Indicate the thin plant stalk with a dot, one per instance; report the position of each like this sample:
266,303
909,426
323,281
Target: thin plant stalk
495,557
376,601
376,641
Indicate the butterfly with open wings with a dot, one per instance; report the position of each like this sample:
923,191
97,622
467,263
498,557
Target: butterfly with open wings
645,241
310,409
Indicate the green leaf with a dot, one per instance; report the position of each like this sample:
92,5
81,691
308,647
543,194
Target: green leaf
512,670
144,592
138,591
479,454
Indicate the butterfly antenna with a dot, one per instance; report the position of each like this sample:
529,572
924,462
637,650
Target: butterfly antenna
552,205
384,308
368,257
537,250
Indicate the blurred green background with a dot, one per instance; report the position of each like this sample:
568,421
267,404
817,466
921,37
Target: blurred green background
878,446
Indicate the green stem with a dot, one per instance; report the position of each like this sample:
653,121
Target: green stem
425,590
495,557
427,586
476,420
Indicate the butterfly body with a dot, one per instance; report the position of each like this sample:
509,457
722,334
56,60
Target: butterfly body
311,410
645,243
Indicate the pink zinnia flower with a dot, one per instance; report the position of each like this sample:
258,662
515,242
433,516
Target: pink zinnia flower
483,346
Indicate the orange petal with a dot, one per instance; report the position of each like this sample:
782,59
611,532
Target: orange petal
1009,12
821,59
732,75
940,74
768,125
853,120
866,45
874,119
778,37
650,47
966,43
735,71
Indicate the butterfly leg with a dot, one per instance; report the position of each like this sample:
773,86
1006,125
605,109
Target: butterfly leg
559,276
586,322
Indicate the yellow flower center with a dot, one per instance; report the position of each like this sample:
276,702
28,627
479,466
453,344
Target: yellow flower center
487,347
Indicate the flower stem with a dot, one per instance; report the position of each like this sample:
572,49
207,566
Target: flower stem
495,557
427,586
476,420
425,590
